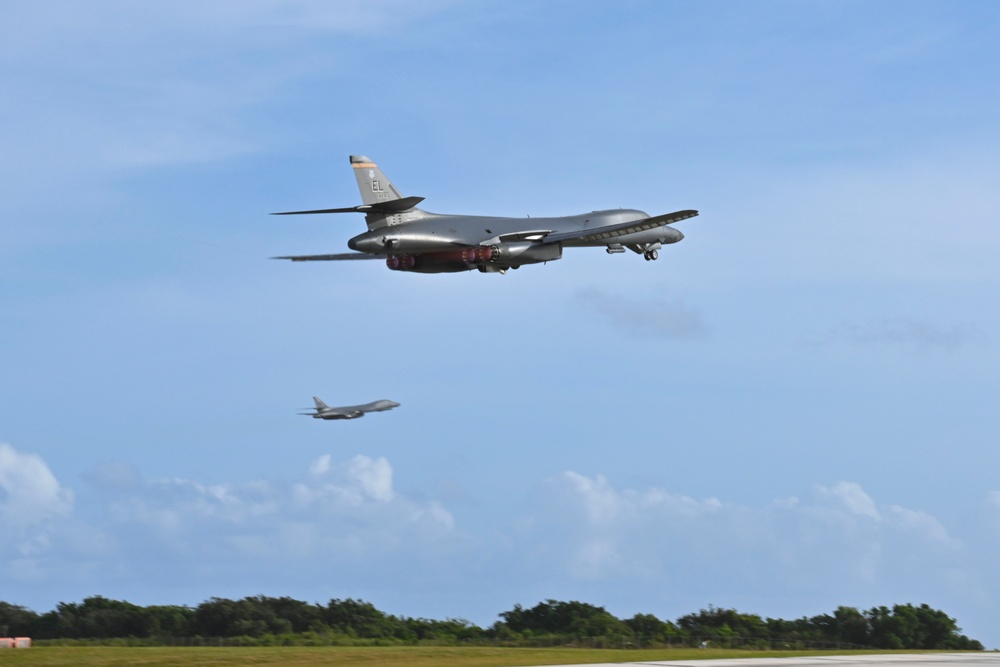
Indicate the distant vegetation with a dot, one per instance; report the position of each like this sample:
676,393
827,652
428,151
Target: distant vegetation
263,620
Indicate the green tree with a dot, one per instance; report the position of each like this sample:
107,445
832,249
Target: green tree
170,621
286,614
215,617
98,617
647,625
851,626
553,617
360,619
18,621
715,621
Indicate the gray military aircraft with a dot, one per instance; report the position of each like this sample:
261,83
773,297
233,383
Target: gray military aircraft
410,239
324,411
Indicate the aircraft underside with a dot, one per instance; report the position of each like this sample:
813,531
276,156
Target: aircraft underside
488,259
499,258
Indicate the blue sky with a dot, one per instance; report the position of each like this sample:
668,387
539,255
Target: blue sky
794,409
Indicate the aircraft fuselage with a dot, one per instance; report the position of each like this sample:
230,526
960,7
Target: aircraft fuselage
435,243
353,411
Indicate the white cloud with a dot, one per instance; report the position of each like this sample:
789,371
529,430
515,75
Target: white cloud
840,536
32,503
374,477
31,493
355,483
334,506
598,530
852,498
598,499
342,523
339,517
320,465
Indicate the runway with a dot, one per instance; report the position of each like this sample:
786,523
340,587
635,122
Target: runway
977,659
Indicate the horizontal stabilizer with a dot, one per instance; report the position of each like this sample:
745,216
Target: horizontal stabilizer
391,206
329,258
353,209
613,231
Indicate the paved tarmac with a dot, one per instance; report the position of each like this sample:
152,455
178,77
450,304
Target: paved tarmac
976,659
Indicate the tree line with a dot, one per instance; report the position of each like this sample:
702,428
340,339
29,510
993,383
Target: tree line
261,619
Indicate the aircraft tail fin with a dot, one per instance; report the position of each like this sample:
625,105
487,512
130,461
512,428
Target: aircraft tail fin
375,187
320,405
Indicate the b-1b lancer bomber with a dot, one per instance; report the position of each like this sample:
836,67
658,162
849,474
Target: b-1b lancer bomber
410,239
324,411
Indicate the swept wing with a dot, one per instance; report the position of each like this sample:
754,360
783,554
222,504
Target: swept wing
327,258
613,231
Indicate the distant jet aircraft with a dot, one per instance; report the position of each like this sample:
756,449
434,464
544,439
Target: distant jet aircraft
324,411
410,239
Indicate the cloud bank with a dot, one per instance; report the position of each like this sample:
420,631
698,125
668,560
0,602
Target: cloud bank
345,527
835,545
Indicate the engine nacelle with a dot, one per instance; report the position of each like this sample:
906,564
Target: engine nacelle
490,259
444,261
524,252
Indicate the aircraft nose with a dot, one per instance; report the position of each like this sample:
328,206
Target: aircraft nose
676,236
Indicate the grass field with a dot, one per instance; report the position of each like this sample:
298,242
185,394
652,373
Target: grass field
395,656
